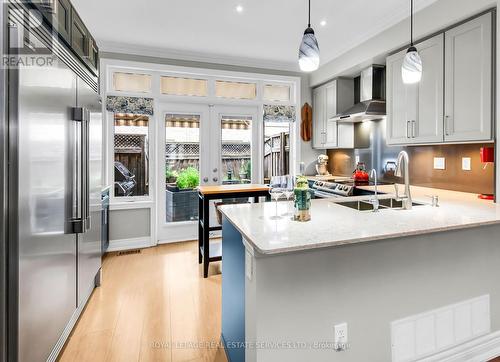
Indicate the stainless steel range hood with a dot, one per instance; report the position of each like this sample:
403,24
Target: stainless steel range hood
369,95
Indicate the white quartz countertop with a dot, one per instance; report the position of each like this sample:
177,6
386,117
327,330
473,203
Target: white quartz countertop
334,225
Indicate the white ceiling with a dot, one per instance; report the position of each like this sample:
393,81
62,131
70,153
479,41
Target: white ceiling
267,33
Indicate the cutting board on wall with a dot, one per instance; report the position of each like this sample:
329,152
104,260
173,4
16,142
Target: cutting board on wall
306,123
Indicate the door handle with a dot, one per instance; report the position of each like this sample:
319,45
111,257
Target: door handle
407,129
448,125
205,179
81,216
413,128
215,169
215,179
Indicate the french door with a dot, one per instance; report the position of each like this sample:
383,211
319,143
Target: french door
201,145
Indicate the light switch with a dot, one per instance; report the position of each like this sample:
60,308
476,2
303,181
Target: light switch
466,164
439,163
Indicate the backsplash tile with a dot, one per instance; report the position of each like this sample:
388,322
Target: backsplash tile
422,173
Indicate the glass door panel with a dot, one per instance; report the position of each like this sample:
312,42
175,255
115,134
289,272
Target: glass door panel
183,159
202,145
182,166
236,155
276,149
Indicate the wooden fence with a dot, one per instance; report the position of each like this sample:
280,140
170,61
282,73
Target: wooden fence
131,151
276,155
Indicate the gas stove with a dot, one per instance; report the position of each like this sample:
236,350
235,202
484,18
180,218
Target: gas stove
344,188
325,189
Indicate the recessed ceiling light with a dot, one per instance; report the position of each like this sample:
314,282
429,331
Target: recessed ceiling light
322,23
239,8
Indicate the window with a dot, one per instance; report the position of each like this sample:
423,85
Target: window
184,86
130,82
276,93
131,145
236,90
236,136
276,149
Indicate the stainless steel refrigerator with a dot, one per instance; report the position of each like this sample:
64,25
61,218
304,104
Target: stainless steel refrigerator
54,191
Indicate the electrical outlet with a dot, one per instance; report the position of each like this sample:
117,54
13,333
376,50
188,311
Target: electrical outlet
466,164
341,337
439,163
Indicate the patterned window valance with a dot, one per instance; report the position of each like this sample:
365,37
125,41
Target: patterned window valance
274,113
134,105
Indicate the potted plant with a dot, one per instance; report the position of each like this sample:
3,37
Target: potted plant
246,170
182,200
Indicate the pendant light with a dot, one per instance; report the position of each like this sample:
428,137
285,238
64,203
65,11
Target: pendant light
412,64
309,49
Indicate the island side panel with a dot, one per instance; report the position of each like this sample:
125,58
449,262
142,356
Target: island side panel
233,292
299,297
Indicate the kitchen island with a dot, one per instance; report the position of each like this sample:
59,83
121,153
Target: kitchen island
287,284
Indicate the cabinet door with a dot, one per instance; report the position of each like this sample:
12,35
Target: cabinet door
330,129
428,125
331,137
93,58
468,89
319,113
79,36
401,102
415,111
63,19
331,100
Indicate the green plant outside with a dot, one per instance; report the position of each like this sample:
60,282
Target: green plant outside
248,168
188,178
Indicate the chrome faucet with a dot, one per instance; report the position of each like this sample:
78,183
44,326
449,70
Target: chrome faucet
403,170
374,200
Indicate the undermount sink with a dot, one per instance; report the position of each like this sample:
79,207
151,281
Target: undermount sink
383,204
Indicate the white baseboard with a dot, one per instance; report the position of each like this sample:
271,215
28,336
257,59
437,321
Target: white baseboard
127,244
481,349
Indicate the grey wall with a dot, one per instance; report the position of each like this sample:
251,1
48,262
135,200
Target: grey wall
129,224
301,296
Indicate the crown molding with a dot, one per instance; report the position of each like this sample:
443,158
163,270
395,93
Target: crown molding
137,50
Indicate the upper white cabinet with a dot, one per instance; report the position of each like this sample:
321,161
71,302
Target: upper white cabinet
468,74
319,117
329,100
453,101
415,112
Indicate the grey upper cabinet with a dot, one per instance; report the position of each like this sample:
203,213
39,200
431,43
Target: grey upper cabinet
453,101
329,100
319,116
79,36
63,19
415,112
468,92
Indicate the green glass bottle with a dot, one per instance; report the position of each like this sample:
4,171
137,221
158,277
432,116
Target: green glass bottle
302,200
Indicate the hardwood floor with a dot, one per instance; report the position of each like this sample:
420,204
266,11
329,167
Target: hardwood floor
152,306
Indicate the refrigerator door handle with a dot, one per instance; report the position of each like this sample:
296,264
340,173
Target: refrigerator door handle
81,218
